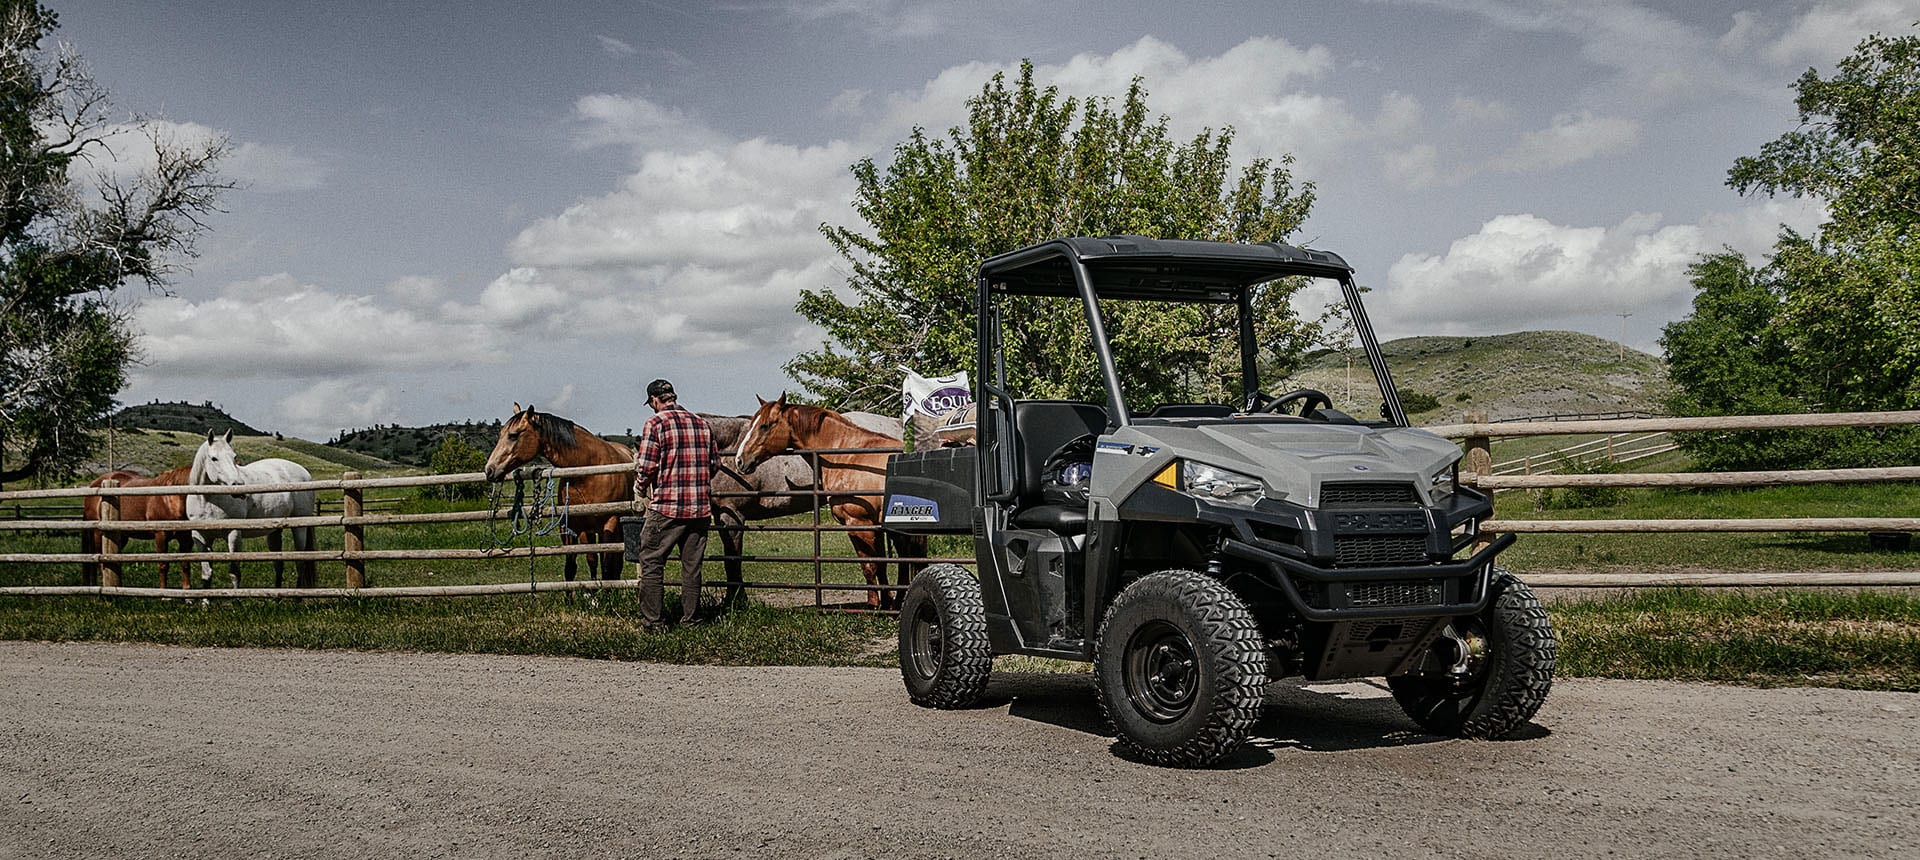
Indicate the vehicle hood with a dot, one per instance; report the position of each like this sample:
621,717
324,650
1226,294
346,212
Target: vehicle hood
1294,459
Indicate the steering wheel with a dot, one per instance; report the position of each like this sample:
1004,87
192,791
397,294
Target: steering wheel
1308,398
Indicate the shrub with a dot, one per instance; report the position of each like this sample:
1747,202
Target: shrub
1585,497
1418,401
454,456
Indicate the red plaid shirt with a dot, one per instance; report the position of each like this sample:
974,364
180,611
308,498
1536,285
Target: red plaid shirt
677,460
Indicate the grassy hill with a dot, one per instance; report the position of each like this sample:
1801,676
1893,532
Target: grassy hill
181,417
159,450
414,445
1506,376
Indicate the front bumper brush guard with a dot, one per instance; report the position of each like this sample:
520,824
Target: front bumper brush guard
1478,565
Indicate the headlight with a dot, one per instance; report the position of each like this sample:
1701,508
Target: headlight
1446,482
1219,485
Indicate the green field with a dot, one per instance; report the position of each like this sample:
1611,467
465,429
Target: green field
1832,637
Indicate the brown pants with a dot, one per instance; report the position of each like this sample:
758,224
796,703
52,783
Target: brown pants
658,536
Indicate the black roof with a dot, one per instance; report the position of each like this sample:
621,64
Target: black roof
1137,267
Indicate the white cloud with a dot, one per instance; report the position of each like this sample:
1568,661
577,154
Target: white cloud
131,150
883,18
1522,272
339,404
1480,111
1829,30
1572,138
1262,87
416,291
271,169
614,47
1416,166
277,327
605,119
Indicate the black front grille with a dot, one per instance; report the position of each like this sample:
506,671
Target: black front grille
1368,494
1412,592
1363,595
1379,550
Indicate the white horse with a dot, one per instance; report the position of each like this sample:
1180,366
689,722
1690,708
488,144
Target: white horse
213,465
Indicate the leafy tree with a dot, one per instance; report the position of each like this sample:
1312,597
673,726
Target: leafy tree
454,456
1832,321
1031,165
65,247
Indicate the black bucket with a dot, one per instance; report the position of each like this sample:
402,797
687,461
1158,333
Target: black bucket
1889,541
630,530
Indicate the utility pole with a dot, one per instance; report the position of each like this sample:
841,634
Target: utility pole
1623,335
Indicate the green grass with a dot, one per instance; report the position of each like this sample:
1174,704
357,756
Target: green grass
1866,640
1776,637
1765,551
559,625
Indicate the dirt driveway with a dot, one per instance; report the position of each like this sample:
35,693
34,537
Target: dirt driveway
143,751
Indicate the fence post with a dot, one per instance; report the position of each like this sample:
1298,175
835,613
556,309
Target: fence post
354,538
1479,459
109,539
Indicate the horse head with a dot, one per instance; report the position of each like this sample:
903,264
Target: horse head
215,462
768,434
519,443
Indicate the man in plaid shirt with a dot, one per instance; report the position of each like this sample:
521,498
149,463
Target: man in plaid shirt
674,464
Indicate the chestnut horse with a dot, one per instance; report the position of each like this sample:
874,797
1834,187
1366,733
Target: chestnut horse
854,482
777,487
141,508
529,434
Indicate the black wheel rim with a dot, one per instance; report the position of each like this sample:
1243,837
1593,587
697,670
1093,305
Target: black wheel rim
926,644
1162,673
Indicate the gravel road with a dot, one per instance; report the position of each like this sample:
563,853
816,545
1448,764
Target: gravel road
144,751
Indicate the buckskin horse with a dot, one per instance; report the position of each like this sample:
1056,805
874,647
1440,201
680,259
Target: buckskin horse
529,434
853,482
141,509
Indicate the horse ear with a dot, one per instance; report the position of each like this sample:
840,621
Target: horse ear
516,407
228,437
209,434
783,400
763,400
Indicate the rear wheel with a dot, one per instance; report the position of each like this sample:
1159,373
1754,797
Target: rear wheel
1181,669
945,658
1490,672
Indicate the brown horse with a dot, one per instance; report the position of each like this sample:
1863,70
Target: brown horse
141,508
778,486
854,482
529,434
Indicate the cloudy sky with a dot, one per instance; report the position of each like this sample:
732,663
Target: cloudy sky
452,207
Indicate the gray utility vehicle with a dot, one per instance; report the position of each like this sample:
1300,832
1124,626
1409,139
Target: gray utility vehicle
1193,551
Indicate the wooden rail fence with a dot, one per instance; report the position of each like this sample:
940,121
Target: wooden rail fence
356,517
1478,470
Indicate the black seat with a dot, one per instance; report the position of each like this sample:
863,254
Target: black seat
1040,427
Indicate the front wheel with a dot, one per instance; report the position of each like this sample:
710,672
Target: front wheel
1488,673
1181,669
945,657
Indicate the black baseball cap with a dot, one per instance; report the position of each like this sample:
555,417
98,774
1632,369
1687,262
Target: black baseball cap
659,388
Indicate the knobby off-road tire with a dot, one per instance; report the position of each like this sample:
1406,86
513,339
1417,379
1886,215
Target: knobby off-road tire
1505,686
945,657
1181,667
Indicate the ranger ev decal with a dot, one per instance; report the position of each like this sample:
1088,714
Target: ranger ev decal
911,509
1112,448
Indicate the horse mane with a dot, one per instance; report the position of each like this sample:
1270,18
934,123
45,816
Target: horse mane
809,419
199,468
559,432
